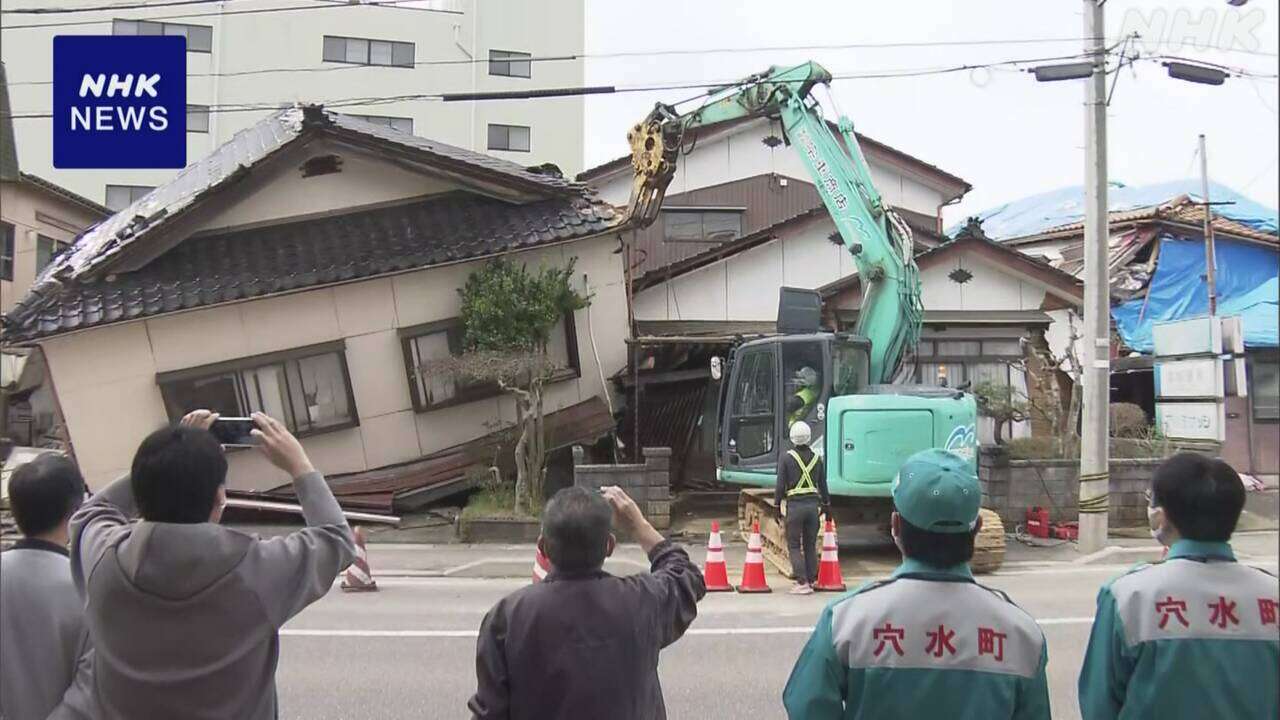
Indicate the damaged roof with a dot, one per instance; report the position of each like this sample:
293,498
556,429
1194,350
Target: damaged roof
511,208
268,260
99,246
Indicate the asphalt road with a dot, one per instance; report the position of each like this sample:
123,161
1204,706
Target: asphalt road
407,651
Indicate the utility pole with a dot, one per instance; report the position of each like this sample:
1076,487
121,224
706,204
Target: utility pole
1094,478
1210,253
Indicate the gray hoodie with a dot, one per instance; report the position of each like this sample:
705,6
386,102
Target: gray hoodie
185,617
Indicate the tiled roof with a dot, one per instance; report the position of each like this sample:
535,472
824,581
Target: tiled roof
1182,209
263,261
228,163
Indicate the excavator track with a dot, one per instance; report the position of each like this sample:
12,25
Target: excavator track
756,505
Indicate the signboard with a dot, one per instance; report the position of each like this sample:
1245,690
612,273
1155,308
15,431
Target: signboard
1192,420
119,101
1191,378
1194,336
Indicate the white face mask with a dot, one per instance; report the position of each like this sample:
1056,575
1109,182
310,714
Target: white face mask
1155,521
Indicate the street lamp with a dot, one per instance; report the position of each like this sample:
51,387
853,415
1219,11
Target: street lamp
1191,72
1067,71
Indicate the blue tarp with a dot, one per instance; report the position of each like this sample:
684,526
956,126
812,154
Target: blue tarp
1248,284
1034,214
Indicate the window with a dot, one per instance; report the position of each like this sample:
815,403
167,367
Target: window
972,361
46,250
6,252
361,51
437,340
509,137
308,389
120,197
197,118
709,226
509,64
199,37
402,124
1265,391
751,425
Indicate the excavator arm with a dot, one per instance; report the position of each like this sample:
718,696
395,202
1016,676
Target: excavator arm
877,238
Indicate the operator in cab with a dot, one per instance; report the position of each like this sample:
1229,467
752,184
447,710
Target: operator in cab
929,641
802,484
805,397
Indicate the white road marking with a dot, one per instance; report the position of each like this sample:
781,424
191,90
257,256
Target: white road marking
465,634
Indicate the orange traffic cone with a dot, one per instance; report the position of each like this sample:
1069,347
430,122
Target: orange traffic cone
829,568
358,577
714,571
753,570
541,565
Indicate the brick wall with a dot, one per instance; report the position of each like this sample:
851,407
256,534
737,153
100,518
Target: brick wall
648,484
1009,487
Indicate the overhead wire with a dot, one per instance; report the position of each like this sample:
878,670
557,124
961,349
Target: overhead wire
103,8
709,87
226,13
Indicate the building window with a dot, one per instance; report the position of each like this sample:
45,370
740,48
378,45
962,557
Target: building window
402,124
6,251
509,137
308,389
509,64
199,37
437,340
197,118
46,250
972,361
709,226
361,51
120,197
1265,390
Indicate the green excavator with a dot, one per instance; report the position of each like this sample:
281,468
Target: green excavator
865,422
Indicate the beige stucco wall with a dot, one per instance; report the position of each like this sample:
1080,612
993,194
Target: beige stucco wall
19,204
105,378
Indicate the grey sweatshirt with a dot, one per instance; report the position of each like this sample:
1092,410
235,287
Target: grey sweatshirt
185,617
45,658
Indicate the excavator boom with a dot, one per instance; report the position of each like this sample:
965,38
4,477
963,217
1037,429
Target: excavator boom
879,241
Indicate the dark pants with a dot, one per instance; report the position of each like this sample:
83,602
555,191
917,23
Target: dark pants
802,537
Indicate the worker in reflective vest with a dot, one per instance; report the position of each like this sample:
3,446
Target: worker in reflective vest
1193,635
802,484
799,405
928,642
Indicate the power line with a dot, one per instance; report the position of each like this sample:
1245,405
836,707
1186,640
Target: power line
226,13
105,8
614,55
710,85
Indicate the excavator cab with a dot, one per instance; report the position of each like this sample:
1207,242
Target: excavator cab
770,383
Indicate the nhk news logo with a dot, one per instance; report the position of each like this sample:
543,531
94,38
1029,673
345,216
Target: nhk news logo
119,102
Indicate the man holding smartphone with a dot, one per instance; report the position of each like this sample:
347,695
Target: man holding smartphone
185,613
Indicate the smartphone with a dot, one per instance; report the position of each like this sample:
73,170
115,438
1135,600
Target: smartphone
234,431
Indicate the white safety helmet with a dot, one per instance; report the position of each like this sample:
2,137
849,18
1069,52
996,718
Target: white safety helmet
800,433
807,376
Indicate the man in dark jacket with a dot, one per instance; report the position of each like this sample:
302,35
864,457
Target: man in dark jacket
184,613
802,483
583,643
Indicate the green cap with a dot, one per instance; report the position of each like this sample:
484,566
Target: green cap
937,491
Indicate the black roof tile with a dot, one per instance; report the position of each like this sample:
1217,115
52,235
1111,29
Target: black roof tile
249,263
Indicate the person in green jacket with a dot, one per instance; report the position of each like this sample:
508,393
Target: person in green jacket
928,641
1194,635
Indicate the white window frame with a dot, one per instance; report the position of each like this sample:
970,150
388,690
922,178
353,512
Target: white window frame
509,63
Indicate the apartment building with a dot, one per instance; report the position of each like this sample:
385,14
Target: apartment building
248,58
